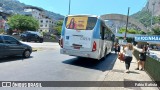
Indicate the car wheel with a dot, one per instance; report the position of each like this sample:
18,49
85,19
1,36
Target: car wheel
28,40
26,54
41,41
23,40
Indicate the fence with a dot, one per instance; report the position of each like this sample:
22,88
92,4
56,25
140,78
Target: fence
152,66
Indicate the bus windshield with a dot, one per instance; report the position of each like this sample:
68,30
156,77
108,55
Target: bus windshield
80,22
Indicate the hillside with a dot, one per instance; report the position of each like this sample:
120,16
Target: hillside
144,15
14,6
153,3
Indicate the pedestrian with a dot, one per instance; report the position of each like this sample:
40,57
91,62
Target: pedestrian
128,50
142,58
116,48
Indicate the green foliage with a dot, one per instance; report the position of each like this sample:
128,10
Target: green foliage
122,30
2,31
23,23
143,16
156,30
58,27
130,31
141,32
156,19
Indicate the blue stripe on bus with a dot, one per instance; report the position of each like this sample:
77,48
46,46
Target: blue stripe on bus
96,32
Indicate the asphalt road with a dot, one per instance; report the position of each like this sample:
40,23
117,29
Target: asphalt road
50,65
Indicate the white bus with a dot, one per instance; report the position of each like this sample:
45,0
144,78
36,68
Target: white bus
86,36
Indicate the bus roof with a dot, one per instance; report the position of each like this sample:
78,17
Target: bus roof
84,15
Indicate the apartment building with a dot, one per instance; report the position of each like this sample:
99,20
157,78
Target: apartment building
3,21
45,23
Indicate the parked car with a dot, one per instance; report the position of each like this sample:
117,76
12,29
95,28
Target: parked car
10,46
31,36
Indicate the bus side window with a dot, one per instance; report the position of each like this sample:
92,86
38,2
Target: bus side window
102,32
107,34
113,37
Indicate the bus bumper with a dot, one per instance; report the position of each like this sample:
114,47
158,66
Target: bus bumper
94,55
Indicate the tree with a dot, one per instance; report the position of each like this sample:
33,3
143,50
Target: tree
141,32
156,30
156,20
2,31
23,23
58,26
131,31
144,17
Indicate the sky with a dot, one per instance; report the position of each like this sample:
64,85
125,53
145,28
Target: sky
94,7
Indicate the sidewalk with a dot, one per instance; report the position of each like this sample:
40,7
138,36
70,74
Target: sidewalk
118,74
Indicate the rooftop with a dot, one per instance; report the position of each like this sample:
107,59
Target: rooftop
32,7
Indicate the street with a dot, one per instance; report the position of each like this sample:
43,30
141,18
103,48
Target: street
50,65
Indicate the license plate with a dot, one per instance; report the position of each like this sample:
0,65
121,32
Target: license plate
75,47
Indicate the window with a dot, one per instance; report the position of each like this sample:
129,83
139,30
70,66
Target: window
46,25
108,34
102,31
10,40
41,25
41,21
46,21
80,22
1,40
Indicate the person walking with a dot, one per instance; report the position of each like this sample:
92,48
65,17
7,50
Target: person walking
115,48
142,58
118,48
128,50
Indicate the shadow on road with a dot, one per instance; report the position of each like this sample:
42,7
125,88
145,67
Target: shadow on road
13,58
103,65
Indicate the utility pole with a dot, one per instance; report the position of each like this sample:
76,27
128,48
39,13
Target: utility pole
126,24
69,7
